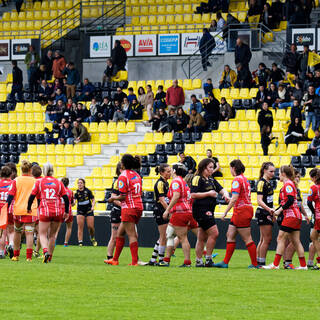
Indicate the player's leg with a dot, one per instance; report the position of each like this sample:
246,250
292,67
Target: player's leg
295,239
18,228
43,232
162,240
130,228
119,245
265,240
259,246
80,222
170,235
311,255
29,229
3,237
281,245
288,255
213,234
38,245
245,234
112,241
202,237
10,235
182,234
316,244
90,224
54,226
68,233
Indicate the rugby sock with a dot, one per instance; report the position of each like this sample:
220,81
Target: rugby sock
229,252
252,249
109,257
310,263
199,261
29,253
302,261
80,242
162,249
50,257
166,259
155,252
277,259
208,258
11,244
318,260
262,261
119,247
16,253
134,252
44,250
187,262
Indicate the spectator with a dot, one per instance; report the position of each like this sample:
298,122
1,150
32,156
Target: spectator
308,102
131,95
266,139
296,92
142,96
303,63
206,45
172,120
314,148
316,81
228,78
299,17
175,96
44,92
262,74
282,99
110,72
58,65
196,122
135,111
119,95
159,120
254,8
195,104
291,60
272,94
50,111
276,74
267,18
93,111
242,54
181,120
80,132
51,137
87,91
31,60
119,56
118,112
19,4
216,165
220,22
207,87
59,108
73,78
295,132
212,112
47,60
149,100
36,78
66,135
244,78
261,97
295,111
108,108
125,106
213,26
265,117
82,112
60,96
188,161
160,99
17,80
277,12
225,110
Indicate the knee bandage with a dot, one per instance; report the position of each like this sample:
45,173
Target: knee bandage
29,229
170,236
18,229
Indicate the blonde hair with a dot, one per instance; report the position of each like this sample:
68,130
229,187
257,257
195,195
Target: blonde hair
48,169
26,166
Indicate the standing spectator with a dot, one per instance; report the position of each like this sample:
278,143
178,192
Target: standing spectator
195,104
196,122
254,8
295,111
314,148
58,65
228,77
220,22
242,54
19,4
160,99
303,63
31,60
80,132
119,56
216,165
295,132
87,91
181,119
266,139
267,18
277,12
119,95
207,87
265,117
308,102
108,108
212,111
206,45
131,95
110,72
17,80
73,78
66,135
291,60
175,96
276,74
225,110
188,161
149,101
47,60
244,78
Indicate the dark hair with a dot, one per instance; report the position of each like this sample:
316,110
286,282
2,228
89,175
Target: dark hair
14,63
131,162
5,172
219,15
36,171
315,173
13,168
71,64
180,153
65,181
180,169
265,166
118,168
161,168
203,165
83,181
193,96
130,89
160,87
149,86
209,150
238,166
289,172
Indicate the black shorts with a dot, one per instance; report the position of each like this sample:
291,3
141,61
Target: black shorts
263,217
115,215
205,218
85,213
288,229
158,216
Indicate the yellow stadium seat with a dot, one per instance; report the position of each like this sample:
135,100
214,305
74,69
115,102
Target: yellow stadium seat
130,127
253,126
199,149
187,84
216,137
143,20
205,17
50,149
121,127
141,149
225,93
206,137
292,150
229,149
167,84
280,114
167,137
132,148
189,149
196,84
161,20
147,185
188,19
102,127
233,126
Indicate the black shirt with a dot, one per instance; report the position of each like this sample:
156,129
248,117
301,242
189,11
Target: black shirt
84,198
265,189
115,190
17,77
201,184
161,189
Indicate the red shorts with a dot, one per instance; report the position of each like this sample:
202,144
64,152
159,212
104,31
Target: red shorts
292,223
25,219
131,215
51,218
10,218
70,219
242,217
183,220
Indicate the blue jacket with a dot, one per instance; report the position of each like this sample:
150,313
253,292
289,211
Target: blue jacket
66,133
88,88
62,97
73,77
197,106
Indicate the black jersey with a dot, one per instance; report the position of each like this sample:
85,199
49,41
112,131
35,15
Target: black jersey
115,190
161,189
299,198
84,199
201,184
265,189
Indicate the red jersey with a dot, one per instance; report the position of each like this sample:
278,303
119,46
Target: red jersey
50,190
289,189
4,190
129,184
241,186
314,196
184,202
69,194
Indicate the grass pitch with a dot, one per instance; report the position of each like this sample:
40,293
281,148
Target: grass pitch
78,285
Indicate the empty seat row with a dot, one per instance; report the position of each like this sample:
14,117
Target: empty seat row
59,160
60,149
102,127
305,161
22,117
22,138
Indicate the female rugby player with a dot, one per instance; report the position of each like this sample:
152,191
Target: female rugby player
69,220
242,215
290,226
264,212
130,188
85,207
204,191
161,189
49,191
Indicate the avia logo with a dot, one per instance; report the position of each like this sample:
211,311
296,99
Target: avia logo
190,41
145,45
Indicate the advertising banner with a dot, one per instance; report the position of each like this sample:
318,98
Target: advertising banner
19,48
168,44
126,42
190,43
4,49
304,36
146,45
100,46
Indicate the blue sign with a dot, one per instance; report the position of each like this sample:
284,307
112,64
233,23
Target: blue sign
168,44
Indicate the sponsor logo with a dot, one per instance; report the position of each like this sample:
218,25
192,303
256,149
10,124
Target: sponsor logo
126,44
121,185
235,184
175,186
305,38
209,213
50,184
20,48
191,41
5,187
95,46
289,189
145,45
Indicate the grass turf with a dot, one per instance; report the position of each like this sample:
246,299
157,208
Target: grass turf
78,285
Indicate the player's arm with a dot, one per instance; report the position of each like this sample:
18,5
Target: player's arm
32,196
12,192
233,200
285,206
123,189
174,200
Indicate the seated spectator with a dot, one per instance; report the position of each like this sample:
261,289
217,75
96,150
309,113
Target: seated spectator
228,78
135,111
265,117
295,132
131,95
283,98
59,110
244,78
142,96
125,105
80,132
309,102
108,109
266,139
172,120
196,122
175,96
119,95
296,111
296,92
149,101
36,78
216,166
118,112
291,59
81,112
159,120
211,112
316,81
87,91
93,108
66,135
262,74
195,104
50,111
160,99
110,72
225,110
314,148
261,97
182,120
70,106
188,161
272,94
44,92
60,96
208,87
276,74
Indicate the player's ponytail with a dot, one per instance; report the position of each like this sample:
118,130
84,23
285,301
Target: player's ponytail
48,169
265,166
65,181
118,169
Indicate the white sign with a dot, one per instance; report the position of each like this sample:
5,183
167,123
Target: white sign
221,45
100,47
304,36
4,50
19,48
146,45
126,42
190,43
